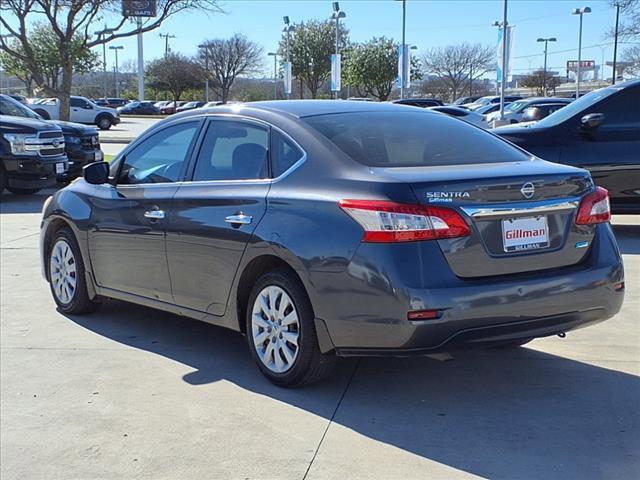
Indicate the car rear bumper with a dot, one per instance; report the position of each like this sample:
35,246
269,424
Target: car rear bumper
472,312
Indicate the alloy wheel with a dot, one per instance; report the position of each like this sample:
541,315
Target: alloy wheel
62,268
275,329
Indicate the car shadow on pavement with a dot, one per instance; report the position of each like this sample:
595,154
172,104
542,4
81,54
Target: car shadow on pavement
628,237
501,414
10,203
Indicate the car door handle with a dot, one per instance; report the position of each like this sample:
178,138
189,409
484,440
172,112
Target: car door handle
154,214
239,219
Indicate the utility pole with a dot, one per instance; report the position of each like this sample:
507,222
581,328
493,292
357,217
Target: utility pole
504,26
166,37
337,15
581,12
615,44
101,36
403,56
288,28
115,72
140,62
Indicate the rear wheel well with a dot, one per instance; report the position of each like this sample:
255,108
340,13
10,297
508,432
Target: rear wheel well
52,228
252,272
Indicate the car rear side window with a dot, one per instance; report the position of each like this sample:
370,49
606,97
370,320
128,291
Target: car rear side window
233,150
412,139
284,153
159,158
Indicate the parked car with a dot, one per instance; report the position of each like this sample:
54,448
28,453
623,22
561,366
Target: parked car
31,154
540,111
600,131
82,110
513,112
139,108
420,102
170,108
162,103
214,103
19,98
81,143
324,228
466,100
473,118
189,106
489,108
117,102
491,99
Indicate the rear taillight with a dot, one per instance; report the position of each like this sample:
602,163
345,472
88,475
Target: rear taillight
594,208
385,221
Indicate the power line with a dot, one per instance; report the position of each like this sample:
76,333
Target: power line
574,49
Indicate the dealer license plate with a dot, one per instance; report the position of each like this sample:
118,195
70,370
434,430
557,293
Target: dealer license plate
528,233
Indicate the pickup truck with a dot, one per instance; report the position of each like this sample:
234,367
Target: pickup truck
32,154
82,110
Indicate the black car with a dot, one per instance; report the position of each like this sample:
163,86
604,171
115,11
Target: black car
139,108
465,100
116,102
324,228
600,131
31,154
420,102
81,142
190,106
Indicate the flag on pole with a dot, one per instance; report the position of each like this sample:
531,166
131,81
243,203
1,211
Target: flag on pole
286,66
335,73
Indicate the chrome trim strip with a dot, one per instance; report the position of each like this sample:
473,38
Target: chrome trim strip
532,208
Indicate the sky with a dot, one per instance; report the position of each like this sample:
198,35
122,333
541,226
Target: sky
430,23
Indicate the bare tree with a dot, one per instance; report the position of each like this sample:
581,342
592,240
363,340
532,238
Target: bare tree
536,81
630,18
174,73
458,64
632,55
224,59
76,20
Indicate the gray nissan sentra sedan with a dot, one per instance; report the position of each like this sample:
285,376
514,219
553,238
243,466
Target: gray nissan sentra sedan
326,228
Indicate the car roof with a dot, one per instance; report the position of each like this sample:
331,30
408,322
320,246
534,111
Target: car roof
310,108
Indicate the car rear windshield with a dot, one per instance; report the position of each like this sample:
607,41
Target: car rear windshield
408,139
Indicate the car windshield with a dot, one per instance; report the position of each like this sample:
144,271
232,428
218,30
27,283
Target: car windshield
577,106
411,139
9,106
517,106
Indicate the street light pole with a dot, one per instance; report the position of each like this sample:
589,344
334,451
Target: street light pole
615,44
115,49
140,61
505,38
544,72
404,54
581,12
101,35
275,73
288,28
337,15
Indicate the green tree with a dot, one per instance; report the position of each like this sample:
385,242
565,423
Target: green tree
45,46
174,73
372,67
74,23
310,50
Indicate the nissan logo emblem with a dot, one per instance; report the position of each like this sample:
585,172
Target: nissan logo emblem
528,190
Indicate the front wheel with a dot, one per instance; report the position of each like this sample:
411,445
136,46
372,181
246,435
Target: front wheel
281,332
104,122
67,275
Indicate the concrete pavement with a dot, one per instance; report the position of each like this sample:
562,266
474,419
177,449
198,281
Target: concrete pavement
128,129
130,392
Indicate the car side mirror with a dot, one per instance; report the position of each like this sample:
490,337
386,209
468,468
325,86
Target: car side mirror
591,121
96,173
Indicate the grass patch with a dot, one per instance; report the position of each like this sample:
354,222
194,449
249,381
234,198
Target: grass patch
108,158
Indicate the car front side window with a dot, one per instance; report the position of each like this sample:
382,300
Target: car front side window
159,158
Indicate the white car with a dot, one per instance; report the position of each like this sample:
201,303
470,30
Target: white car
82,110
469,116
514,111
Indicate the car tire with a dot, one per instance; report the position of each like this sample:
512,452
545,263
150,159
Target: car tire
23,191
282,337
104,122
67,278
43,113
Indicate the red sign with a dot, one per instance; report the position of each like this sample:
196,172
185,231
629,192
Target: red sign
584,64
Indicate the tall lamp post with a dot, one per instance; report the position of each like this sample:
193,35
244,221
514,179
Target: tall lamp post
505,39
544,72
288,29
205,49
275,73
581,12
101,35
403,56
615,44
337,15
115,48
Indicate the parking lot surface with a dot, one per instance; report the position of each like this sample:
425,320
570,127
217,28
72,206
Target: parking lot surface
131,392
128,129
